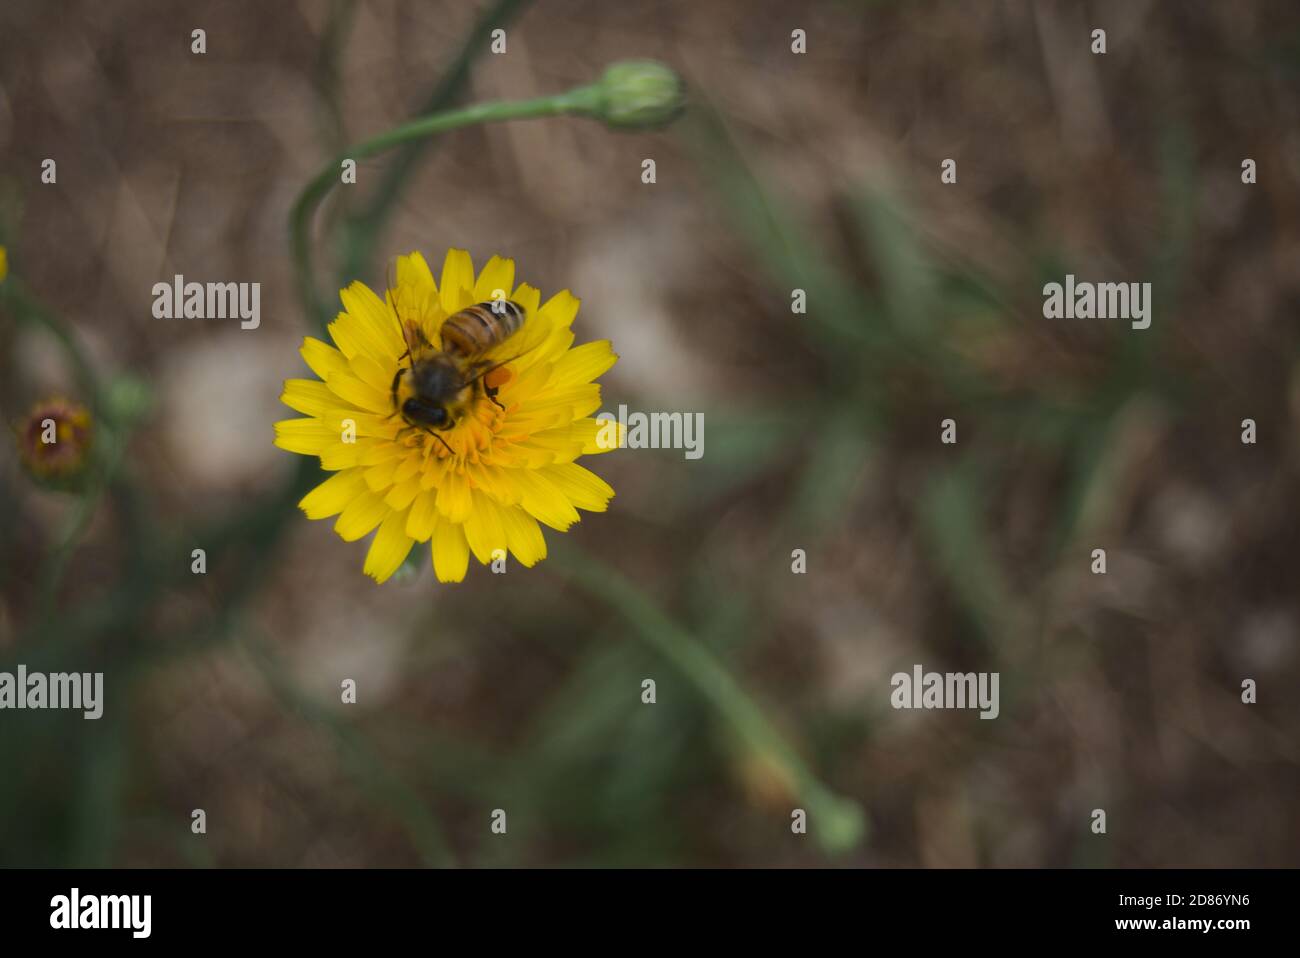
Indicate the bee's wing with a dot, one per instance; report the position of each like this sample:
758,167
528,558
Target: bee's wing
410,326
416,341
497,362
532,333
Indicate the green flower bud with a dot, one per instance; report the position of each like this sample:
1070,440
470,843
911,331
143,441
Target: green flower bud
129,398
638,93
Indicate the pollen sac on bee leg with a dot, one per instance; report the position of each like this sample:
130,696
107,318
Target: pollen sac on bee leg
498,377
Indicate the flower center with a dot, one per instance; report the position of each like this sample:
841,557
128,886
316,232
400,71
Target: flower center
469,440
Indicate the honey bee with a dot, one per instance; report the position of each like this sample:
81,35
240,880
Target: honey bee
443,383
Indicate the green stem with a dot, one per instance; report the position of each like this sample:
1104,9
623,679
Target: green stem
14,294
57,562
364,226
580,100
375,779
327,74
838,823
111,430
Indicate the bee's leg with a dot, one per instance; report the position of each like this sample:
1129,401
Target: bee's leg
397,378
489,391
443,441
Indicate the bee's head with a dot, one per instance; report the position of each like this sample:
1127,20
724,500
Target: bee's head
435,385
422,412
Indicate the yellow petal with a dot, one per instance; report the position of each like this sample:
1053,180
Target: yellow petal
529,297
584,488
379,426
598,435
527,382
378,452
358,393
457,287
519,427
306,436
584,363
544,501
556,345
587,436
433,472
497,275
355,340
372,323
524,536
380,477
528,455
453,497
483,528
551,445
450,552
319,437
409,467
561,308
414,273
580,400
322,357
376,373
333,495
313,398
495,482
389,548
402,494
342,455
362,514
423,516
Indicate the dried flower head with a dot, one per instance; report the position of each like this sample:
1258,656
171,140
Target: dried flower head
54,439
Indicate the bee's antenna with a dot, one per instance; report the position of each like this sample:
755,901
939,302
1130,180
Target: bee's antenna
429,432
443,441
390,285
391,290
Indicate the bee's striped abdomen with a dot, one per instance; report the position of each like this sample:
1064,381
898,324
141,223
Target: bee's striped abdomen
477,329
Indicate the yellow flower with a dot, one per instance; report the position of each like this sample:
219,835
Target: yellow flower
4,263
501,471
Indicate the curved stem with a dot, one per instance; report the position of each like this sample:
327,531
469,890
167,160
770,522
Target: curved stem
838,823
582,99
57,563
111,429
362,227
14,294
